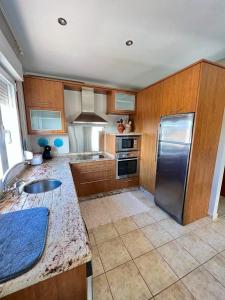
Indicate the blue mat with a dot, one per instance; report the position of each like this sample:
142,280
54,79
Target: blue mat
22,240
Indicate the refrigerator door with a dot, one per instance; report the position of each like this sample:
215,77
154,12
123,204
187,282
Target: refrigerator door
172,163
176,128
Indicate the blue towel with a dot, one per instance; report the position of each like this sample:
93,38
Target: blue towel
22,240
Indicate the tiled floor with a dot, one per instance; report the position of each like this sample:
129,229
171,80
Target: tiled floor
149,256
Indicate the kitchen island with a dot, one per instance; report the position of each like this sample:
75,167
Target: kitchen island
67,246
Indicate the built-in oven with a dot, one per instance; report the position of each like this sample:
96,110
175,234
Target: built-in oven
127,164
127,143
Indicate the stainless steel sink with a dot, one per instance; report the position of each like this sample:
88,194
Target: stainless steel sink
41,186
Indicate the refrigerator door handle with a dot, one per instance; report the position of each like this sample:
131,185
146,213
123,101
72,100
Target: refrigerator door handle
157,144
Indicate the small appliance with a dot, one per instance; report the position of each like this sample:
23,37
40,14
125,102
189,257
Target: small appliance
47,152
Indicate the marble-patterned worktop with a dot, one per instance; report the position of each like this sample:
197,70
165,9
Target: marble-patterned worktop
67,244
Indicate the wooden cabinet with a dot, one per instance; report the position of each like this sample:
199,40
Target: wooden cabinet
43,93
199,88
179,93
44,101
68,285
121,103
148,113
99,177
93,177
45,121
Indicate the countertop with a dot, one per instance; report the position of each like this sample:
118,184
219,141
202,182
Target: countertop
67,244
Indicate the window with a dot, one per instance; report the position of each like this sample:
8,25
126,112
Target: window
10,137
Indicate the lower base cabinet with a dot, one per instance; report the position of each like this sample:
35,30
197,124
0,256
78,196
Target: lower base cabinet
99,177
65,286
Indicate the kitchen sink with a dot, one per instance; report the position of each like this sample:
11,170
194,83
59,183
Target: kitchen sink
41,186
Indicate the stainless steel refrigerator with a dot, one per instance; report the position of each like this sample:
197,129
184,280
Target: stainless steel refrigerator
174,145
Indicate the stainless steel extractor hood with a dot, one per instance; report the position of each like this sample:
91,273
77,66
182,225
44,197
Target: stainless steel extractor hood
88,114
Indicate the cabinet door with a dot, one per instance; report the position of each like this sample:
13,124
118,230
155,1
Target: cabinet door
180,92
121,103
147,121
124,102
43,93
45,121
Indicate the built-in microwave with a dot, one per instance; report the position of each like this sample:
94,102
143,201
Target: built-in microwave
127,143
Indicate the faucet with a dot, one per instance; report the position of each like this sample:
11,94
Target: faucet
6,181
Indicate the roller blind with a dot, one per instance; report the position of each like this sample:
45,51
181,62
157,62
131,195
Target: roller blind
4,92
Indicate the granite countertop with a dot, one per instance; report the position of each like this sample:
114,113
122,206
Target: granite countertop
67,244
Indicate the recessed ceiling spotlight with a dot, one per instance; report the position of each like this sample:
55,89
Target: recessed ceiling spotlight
129,42
62,21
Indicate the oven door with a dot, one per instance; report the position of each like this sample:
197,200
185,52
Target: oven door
127,143
127,167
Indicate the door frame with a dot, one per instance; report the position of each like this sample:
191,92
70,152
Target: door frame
218,174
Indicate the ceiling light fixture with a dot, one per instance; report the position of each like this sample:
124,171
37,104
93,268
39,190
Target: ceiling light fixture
129,42
62,21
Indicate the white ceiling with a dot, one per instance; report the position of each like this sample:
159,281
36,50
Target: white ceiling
167,35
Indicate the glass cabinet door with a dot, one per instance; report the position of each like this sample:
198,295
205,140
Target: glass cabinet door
45,120
124,101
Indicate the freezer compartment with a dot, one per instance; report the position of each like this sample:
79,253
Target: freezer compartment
171,176
176,128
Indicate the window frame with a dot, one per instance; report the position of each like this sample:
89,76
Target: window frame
3,150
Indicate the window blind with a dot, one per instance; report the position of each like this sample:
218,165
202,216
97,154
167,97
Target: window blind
4,92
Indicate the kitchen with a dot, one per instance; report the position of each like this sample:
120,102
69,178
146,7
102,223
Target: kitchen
110,189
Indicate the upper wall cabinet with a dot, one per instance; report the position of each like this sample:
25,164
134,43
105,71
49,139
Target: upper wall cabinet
180,92
44,101
121,103
43,93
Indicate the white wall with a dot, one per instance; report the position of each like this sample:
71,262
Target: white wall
218,174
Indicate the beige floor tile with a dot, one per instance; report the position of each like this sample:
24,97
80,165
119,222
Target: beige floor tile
199,223
203,285
145,198
125,225
136,243
175,229
177,291
213,238
155,271
126,283
216,266
156,234
178,258
218,227
96,262
143,219
104,233
123,205
113,253
200,250
101,289
91,239
157,213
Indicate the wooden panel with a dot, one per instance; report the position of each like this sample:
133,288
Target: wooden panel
180,92
38,132
110,144
147,121
65,286
207,129
43,93
111,103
